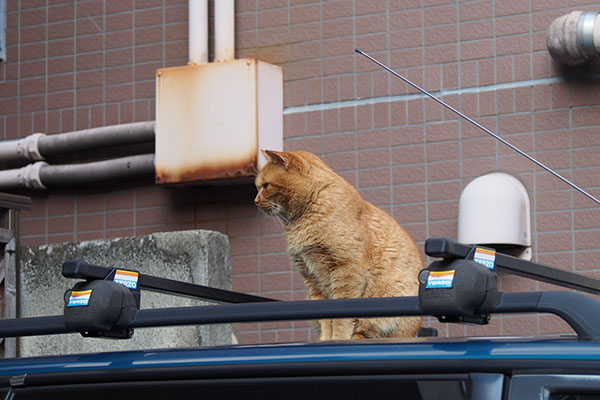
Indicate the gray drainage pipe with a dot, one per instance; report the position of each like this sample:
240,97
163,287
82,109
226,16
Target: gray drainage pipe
39,146
574,38
40,175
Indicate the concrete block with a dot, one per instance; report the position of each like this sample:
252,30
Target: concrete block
198,256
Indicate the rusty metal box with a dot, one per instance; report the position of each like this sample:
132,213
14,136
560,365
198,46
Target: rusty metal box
213,119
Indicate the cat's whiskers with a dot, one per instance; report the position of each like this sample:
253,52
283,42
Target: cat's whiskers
278,219
276,210
281,213
283,217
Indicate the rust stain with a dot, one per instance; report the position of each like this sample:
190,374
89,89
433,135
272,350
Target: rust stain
232,170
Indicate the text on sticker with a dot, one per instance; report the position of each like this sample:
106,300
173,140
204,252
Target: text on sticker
440,279
485,257
128,279
79,298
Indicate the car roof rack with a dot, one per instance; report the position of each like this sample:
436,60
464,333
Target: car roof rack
459,288
81,270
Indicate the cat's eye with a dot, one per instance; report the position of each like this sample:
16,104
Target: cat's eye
265,186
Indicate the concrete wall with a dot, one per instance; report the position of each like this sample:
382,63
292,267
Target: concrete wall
192,256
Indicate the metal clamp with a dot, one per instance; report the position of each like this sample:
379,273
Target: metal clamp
585,34
28,148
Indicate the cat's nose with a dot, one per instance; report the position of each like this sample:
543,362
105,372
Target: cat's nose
256,200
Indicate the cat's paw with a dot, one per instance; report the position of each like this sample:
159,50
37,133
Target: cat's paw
358,335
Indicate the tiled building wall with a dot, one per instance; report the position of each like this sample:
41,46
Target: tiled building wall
74,65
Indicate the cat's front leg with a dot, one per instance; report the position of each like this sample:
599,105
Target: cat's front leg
342,329
325,325
347,284
326,328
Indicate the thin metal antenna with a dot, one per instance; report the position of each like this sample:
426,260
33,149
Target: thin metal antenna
483,128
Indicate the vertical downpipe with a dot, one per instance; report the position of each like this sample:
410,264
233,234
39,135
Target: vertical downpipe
198,31
224,30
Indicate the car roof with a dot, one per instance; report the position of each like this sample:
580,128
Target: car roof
479,351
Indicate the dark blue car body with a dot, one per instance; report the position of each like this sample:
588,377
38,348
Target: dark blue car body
422,368
476,351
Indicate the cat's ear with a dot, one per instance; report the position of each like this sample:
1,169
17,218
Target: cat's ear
276,157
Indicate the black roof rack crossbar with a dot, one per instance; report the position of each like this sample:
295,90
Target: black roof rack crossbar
82,270
578,310
447,248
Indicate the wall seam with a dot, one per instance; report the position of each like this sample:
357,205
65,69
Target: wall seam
439,93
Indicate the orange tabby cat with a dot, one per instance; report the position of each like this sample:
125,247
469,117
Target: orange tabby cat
344,246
